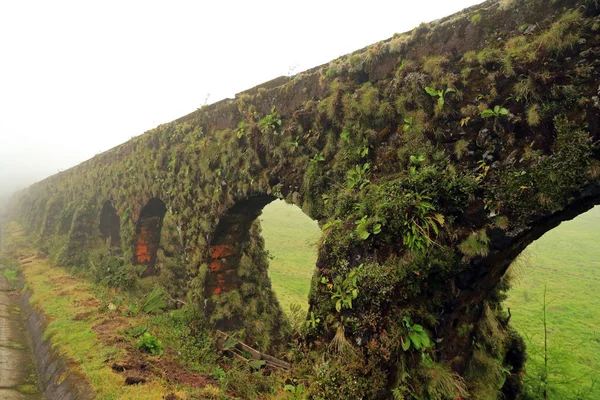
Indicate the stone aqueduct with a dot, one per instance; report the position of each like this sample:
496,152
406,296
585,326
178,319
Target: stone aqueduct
431,160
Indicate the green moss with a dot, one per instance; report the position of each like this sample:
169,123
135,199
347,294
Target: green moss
550,179
332,105
27,389
460,148
486,374
490,56
398,43
365,106
525,90
533,115
434,65
440,382
470,57
520,49
563,34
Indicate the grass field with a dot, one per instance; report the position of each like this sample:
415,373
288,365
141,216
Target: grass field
565,261
290,236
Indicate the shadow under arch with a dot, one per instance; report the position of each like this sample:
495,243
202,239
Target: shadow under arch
147,235
110,225
237,287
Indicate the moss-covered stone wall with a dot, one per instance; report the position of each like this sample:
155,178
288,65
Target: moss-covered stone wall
430,159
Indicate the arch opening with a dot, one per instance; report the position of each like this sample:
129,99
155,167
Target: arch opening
554,304
148,231
110,225
291,240
238,286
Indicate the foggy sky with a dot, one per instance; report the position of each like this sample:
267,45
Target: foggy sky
80,77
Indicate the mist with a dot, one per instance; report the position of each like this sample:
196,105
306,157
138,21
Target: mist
79,78
12,180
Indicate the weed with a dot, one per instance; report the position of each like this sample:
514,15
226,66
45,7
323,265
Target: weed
416,336
507,67
386,112
442,382
358,177
137,331
562,35
219,374
346,290
398,43
421,224
243,129
364,228
494,113
408,124
519,49
470,57
488,57
507,4
415,162
476,244
150,343
533,115
313,321
317,158
271,122
297,392
11,275
154,301
440,94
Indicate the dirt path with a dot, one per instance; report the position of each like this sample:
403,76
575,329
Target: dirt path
17,371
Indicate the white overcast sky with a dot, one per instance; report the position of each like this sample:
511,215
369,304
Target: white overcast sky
80,77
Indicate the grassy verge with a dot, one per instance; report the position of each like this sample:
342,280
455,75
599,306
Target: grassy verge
9,267
72,309
101,332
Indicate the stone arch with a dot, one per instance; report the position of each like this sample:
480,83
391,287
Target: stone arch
581,203
483,279
225,252
110,225
507,246
238,270
147,233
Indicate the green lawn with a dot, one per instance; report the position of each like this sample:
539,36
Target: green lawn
290,237
566,261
